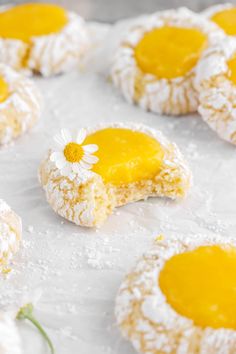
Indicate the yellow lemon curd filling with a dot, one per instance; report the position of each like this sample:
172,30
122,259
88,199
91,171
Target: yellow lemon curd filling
169,52
232,69
4,90
201,285
126,156
25,21
226,19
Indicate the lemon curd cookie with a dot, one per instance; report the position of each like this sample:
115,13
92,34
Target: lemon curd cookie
155,64
43,38
90,174
180,298
20,104
10,233
216,82
224,15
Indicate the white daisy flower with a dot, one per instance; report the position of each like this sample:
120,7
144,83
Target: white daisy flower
26,312
73,158
10,342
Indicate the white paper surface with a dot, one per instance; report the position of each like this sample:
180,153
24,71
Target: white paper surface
79,270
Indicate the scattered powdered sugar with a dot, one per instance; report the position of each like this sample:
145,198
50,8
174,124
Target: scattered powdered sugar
4,206
30,229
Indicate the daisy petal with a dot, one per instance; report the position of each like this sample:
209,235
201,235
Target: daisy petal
59,140
66,171
90,159
66,136
60,163
81,135
85,165
71,176
76,167
90,148
54,156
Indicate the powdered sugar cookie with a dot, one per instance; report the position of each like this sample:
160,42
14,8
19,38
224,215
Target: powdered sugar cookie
216,82
20,104
103,168
180,298
10,233
224,15
42,38
155,63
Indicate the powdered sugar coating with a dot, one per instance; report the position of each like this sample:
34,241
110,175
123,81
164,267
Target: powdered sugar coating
50,54
152,325
170,96
10,233
21,109
217,93
10,342
90,201
4,207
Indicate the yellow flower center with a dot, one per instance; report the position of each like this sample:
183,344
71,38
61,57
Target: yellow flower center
29,20
4,90
170,52
201,285
226,19
73,152
126,156
232,69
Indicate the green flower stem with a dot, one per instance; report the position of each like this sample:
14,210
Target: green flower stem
26,312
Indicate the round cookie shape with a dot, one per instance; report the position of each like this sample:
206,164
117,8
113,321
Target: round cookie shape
50,42
10,233
160,307
215,81
224,15
155,63
110,166
10,342
20,104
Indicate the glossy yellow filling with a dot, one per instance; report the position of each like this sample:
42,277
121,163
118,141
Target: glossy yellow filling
232,69
226,19
170,52
201,285
4,90
126,156
29,20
